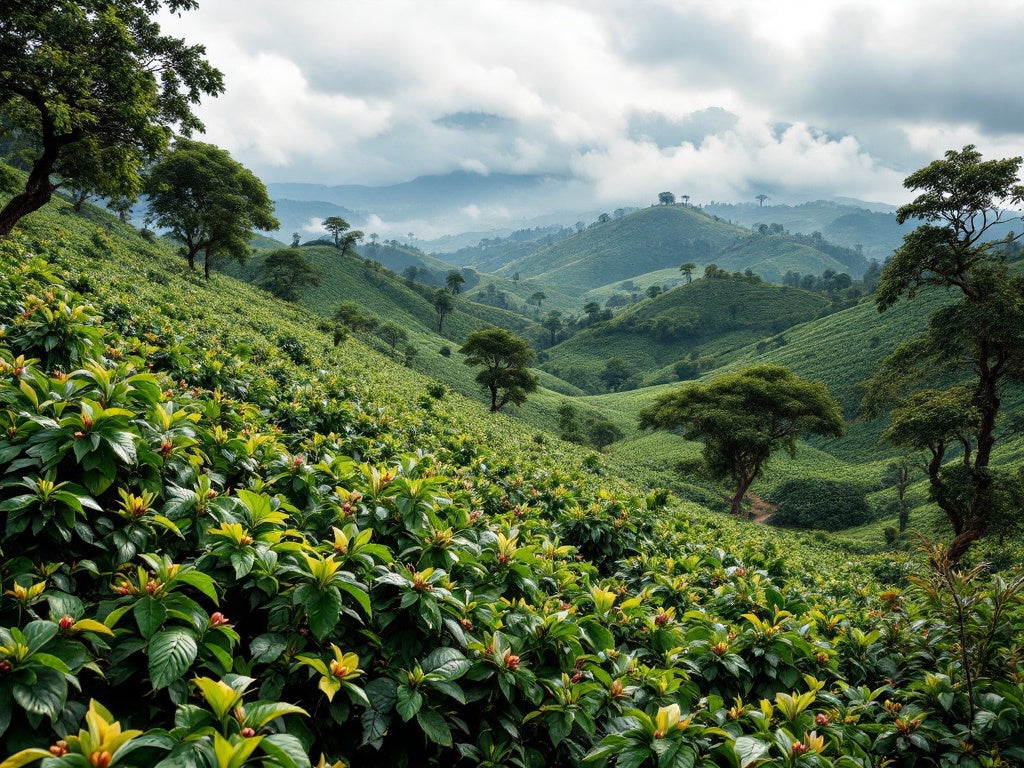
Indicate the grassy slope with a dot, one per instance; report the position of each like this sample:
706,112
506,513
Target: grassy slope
640,242
145,280
839,349
725,315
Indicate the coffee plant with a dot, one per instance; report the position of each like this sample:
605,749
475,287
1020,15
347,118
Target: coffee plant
218,553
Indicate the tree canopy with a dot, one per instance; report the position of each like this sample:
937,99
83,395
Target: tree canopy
505,358
96,88
972,346
286,272
744,417
208,201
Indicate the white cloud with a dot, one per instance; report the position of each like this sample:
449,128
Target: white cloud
381,92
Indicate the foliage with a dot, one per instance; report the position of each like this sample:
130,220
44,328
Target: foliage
504,357
208,201
286,272
217,556
744,417
97,87
972,346
821,503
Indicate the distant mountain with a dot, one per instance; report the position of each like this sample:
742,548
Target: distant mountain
664,237
431,207
869,227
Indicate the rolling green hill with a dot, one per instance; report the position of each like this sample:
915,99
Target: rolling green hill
643,241
704,322
202,492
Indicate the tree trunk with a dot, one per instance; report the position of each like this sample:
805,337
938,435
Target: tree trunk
494,398
38,191
737,498
206,264
38,188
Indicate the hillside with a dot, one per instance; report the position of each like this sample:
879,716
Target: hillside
701,325
772,256
287,548
643,241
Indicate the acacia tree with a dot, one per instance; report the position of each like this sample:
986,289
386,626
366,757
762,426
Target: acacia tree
972,346
208,201
336,226
744,417
286,272
505,358
687,270
96,88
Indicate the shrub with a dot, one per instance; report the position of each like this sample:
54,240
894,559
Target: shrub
822,503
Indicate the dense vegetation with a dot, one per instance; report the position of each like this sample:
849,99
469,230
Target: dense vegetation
236,531
286,548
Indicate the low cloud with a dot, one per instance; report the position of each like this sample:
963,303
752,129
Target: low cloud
629,96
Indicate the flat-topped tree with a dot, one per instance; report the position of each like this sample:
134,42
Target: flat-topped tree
97,89
972,346
744,417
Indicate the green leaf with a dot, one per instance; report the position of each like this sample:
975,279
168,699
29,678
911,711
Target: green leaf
201,581
323,608
150,614
25,757
434,727
749,750
358,593
267,647
409,702
287,750
39,633
45,696
171,653
448,662
258,714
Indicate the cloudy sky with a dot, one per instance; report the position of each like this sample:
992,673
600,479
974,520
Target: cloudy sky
718,99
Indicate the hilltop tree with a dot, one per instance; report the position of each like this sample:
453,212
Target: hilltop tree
349,240
744,417
687,270
443,304
454,281
208,201
666,198
96,88
286,272
685,199
972,347
505,358
336,227
760,200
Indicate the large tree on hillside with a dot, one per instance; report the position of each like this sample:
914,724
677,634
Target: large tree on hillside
505,358
744,417
97,89
973,345
286,272
443,304
210,202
